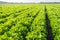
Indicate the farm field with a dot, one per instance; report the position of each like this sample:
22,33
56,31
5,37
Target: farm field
30,22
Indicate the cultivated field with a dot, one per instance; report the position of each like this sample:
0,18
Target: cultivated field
30,22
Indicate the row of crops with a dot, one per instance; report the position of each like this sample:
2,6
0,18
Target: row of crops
54,17
28,22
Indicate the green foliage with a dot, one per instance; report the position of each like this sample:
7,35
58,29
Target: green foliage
28,22
54,17
16,22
